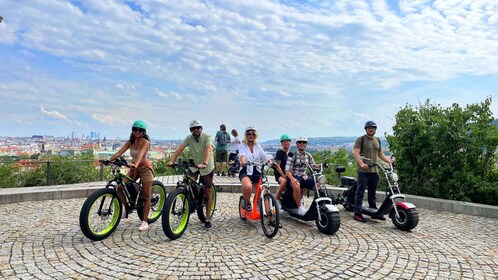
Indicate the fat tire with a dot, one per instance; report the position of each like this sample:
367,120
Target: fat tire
331,222
169,213
274,211
201,209
158,205
408,218
85,214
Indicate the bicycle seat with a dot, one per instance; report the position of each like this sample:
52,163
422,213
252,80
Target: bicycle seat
346,180
340,169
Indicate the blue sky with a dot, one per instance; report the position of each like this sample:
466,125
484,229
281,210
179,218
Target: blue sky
315,68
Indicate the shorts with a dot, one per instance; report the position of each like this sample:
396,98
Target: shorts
207,180
254,177
304,183
145,174
221,155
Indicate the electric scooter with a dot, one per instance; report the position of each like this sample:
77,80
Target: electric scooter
322,209
403,214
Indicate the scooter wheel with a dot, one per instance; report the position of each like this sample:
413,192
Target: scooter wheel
407,220
329,222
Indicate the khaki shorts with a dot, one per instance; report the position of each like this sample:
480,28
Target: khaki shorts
145,174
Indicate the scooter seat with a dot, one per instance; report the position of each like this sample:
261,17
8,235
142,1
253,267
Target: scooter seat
346,180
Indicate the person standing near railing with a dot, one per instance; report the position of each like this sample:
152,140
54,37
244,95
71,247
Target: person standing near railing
140,166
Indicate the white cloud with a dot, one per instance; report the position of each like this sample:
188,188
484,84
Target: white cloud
53,114
225,58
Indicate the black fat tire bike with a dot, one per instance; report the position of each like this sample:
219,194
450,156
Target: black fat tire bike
101,212
184,200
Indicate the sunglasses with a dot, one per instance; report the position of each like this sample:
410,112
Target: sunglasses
137,129
196,128
301,142
251,134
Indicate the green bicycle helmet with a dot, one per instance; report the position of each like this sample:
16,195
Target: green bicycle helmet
284,137
140,124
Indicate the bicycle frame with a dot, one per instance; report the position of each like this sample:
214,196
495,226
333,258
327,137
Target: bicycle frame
120,179
262,187
191,180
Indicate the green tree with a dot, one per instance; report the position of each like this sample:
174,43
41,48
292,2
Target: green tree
339,158
447,152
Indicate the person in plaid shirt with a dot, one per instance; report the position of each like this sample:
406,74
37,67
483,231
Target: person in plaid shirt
295,169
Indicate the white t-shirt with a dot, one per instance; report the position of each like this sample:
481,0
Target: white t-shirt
234,146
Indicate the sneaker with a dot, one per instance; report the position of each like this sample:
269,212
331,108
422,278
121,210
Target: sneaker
222,173
143,226
208,224
380,217
217,173
359,217
301,211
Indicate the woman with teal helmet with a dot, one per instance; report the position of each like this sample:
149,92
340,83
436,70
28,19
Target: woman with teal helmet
281,159
140,166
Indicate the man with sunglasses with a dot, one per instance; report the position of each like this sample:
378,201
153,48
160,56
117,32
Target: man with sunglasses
368,146
200,144
295,169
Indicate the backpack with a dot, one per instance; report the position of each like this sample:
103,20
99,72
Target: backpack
363,139
222,140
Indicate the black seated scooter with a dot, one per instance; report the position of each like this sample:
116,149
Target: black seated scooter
322,209
404,215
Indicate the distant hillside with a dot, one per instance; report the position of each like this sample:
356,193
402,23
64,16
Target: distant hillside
325,141
495,122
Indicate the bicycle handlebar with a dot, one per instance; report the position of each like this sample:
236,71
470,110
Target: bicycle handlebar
121,161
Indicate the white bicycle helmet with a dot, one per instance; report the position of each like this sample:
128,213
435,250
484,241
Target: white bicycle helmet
250,128
302,139
195,123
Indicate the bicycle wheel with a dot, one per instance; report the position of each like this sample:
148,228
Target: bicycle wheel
201,210
242,205
176,214
269,216
100,214
157,200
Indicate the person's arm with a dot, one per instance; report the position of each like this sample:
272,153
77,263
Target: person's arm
288,173
279,169
207,155
357,157
121,151
177,152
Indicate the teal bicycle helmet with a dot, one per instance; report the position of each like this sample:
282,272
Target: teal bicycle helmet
284,137
140,124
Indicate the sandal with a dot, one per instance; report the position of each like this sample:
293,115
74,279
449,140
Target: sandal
248,207
273,224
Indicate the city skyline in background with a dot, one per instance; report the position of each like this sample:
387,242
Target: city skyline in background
314,68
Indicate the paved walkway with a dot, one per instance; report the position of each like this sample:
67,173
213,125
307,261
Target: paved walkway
42,240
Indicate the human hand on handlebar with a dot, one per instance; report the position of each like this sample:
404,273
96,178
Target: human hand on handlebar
364,166
132,165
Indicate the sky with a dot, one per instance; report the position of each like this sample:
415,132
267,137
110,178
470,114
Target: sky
314,68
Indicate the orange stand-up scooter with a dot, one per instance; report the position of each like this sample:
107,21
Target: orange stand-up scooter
264,206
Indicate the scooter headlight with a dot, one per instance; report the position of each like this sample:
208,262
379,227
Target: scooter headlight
394,176
321,180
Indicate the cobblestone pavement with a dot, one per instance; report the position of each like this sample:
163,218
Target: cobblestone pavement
42,240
